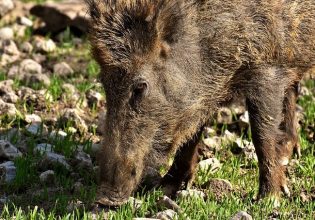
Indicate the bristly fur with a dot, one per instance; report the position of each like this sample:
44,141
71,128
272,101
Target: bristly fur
117,25
190,57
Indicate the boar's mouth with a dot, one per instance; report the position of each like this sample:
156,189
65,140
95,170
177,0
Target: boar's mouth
107,196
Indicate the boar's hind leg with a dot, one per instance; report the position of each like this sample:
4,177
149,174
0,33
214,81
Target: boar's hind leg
183,167
265,90
289,126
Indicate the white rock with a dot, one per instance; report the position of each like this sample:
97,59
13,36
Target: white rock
43,148
135,203
58,134
242,216
7,109
7,171
6,33
47,176
94,98
43,45
224,116
212,142
32,118
62,69
25,21
29,66
210,165
209,132
10,48
26,47
8,151
190,193
5,7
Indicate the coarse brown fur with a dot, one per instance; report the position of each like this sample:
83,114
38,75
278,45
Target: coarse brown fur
168,65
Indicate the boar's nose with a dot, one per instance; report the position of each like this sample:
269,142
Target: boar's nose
111,196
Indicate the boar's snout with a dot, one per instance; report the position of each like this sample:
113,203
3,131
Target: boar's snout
119,176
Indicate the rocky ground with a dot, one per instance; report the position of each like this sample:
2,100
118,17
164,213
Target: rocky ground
51,112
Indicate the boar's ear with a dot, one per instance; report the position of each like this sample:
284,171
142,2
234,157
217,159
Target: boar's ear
170,20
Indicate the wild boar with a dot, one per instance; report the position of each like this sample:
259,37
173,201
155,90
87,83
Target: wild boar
167,66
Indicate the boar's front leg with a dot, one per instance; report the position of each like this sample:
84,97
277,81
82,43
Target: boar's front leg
265,92
183,168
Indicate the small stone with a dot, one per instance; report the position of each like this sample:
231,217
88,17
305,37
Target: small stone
190,193
72,117
43,148
213,143
6,33
6,91
34,128
224,116
83,160
10,48
94,98
44,45
218,187
47,177
29,66
26,47
7,109
210,165
25,21
168,214
33,118
6,59
304,91
228,137
37,78
5,7
8,151
58,134
51,159
7,171
62,69
19,30
242,216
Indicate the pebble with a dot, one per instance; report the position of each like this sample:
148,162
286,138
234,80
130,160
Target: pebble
29,66
25,21
7,171
62,69
6,33
224,116
37,78
58,134
32,118
5,7
51,159
43,148
34,128
83,160
213,143
244,120
71,117
190,193
6,91
77,187
209,132
26,47
210,165
7,109
8,151
9,47
44,45
242,215
135,203
47,177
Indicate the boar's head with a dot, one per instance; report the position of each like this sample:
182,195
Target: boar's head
149,57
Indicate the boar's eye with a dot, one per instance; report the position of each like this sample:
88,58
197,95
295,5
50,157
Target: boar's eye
139,91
